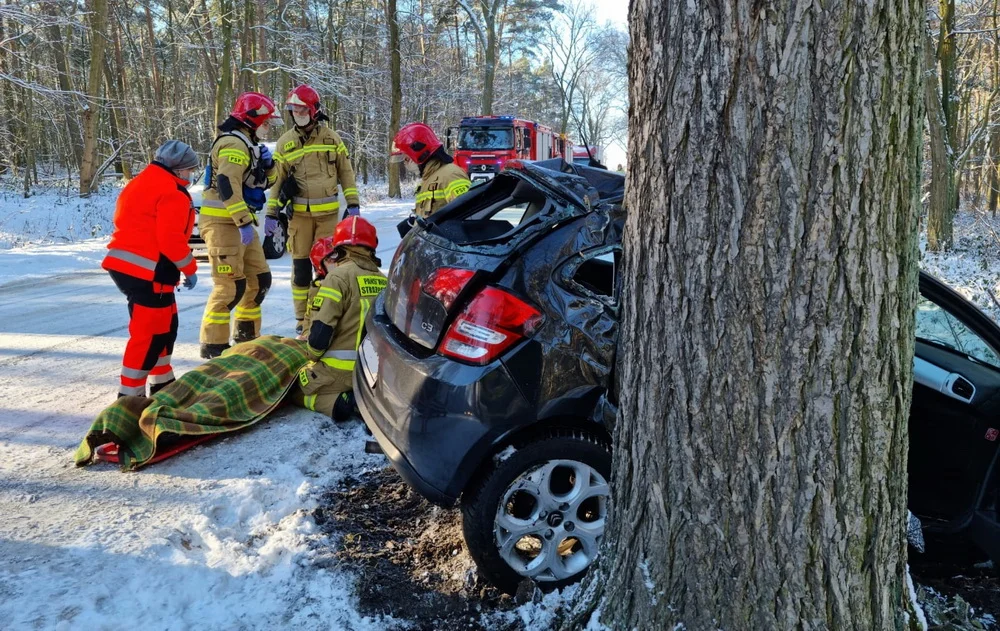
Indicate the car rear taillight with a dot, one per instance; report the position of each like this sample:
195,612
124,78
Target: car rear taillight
489,325
446,283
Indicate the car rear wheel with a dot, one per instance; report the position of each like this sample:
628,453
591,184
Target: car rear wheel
276,244
540,512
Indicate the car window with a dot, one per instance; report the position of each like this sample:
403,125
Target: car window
936,325
597,274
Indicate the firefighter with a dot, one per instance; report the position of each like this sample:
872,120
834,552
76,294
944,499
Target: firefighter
147,254
239,169
311,162
337,315
440,179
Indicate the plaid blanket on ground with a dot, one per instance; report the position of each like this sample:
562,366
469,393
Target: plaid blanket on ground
225,394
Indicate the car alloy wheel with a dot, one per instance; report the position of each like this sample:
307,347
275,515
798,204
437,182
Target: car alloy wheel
538,509
551,521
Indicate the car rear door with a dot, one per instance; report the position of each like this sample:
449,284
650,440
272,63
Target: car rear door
955,414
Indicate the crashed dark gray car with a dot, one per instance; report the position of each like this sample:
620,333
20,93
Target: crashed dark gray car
485,376
486,362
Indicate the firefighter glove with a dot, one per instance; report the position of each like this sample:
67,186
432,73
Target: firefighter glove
190,281
353,209
266,159
254,197
270,225
246,234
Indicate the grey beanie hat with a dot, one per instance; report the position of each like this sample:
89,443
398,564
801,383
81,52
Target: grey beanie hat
176,155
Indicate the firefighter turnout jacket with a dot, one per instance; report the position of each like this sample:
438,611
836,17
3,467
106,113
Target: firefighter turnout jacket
153,221
234,163
336,321
317,162
439,184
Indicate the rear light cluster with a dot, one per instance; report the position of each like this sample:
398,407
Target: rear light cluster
492,321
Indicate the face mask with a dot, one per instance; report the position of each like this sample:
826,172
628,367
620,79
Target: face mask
301,120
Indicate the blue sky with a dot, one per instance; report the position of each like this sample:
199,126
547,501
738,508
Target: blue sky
614,10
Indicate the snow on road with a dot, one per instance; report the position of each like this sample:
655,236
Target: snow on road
218,537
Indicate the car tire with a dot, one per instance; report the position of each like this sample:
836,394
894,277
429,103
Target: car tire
553,519
276,244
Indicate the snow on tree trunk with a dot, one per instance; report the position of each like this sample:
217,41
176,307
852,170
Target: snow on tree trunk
766,347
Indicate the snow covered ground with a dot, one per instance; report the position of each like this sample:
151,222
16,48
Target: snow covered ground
222,536
219,537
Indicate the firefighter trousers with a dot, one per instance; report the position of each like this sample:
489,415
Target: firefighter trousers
152,331
304,229
240,278
319,387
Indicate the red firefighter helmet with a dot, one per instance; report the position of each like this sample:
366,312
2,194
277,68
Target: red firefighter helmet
355,231
253,109
304,96
320,250
416,141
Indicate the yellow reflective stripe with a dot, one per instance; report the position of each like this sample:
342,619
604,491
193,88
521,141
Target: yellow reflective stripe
273,203
329,292
298,153
235,156
232,209
309,401
271,179
300,293
316,208
214,212
252,313
422,197
456,188
216,317
280,157
350,191
338,364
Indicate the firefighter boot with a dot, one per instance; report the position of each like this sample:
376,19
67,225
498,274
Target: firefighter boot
244,331
345,407
156,387
211,351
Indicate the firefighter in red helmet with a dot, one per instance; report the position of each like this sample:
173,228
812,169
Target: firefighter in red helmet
312,162
441,180
337,314
239,169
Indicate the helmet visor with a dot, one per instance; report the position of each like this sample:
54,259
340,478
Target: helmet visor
397,156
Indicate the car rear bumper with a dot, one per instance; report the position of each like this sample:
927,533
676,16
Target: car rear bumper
435,418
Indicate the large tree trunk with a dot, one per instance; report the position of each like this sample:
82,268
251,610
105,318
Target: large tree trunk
490,55
65,84
92,112
770,272
224,87
395,70
940,210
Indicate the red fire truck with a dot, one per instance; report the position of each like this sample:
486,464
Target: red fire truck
485,143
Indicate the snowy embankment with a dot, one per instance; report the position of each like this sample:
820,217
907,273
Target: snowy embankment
222,536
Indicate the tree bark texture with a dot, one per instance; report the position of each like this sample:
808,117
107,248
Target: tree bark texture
770,268
95,81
